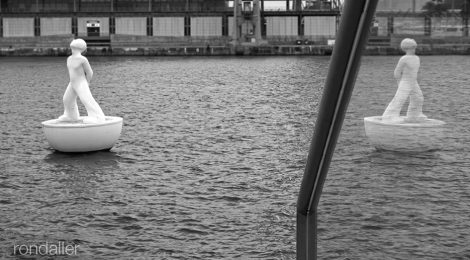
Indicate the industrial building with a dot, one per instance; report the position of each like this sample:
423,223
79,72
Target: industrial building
161,22
115,24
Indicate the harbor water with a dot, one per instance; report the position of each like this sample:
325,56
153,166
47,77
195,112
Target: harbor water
211,157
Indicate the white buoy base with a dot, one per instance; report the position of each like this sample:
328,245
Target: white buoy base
399,135
82,137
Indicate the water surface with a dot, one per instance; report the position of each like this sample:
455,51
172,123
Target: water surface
211,156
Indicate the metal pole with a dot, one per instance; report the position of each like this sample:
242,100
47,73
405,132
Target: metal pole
351,40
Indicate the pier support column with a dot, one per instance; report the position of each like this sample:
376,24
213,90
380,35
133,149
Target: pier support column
237,13
257,20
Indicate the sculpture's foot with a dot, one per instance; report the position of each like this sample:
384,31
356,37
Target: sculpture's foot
64,118
93,120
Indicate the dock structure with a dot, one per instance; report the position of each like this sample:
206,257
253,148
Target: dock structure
153,23
214,27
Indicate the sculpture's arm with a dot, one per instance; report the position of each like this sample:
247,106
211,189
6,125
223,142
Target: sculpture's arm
88,70
399,69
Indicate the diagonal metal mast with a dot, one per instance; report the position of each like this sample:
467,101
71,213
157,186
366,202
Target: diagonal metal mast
345,61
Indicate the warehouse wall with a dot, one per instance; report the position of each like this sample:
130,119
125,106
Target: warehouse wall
383,26
206,26
81,25
168,26
446,26
131,25
401,5
230,26
281,26
18,27
408,25
320,26
56,26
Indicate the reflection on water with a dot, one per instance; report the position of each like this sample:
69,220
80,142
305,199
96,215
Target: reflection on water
73,162
211,156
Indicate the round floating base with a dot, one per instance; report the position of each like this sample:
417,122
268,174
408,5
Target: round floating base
77,136
400,135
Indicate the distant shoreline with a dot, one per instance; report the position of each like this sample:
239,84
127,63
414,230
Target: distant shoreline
261,50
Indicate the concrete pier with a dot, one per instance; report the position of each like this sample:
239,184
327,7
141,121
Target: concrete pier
59,46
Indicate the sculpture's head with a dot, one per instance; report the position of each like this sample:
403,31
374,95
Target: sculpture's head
408,44
78,45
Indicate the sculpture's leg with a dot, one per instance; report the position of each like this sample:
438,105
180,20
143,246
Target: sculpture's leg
392,112
71,112
95,114
415,108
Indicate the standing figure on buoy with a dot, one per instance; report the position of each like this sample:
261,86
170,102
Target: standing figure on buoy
72,132
413,132
406,74
80,74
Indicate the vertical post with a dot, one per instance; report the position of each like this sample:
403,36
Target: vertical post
298,5
187,25
224,25
112,24
287,5
343,69
149,26
465,18
390,26
257,19
236,15
427,26
465,25
75,26
37,26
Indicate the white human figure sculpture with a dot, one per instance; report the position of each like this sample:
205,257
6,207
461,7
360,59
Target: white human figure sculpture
406,74
80,74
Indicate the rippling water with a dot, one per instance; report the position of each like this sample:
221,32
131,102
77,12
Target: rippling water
211,157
